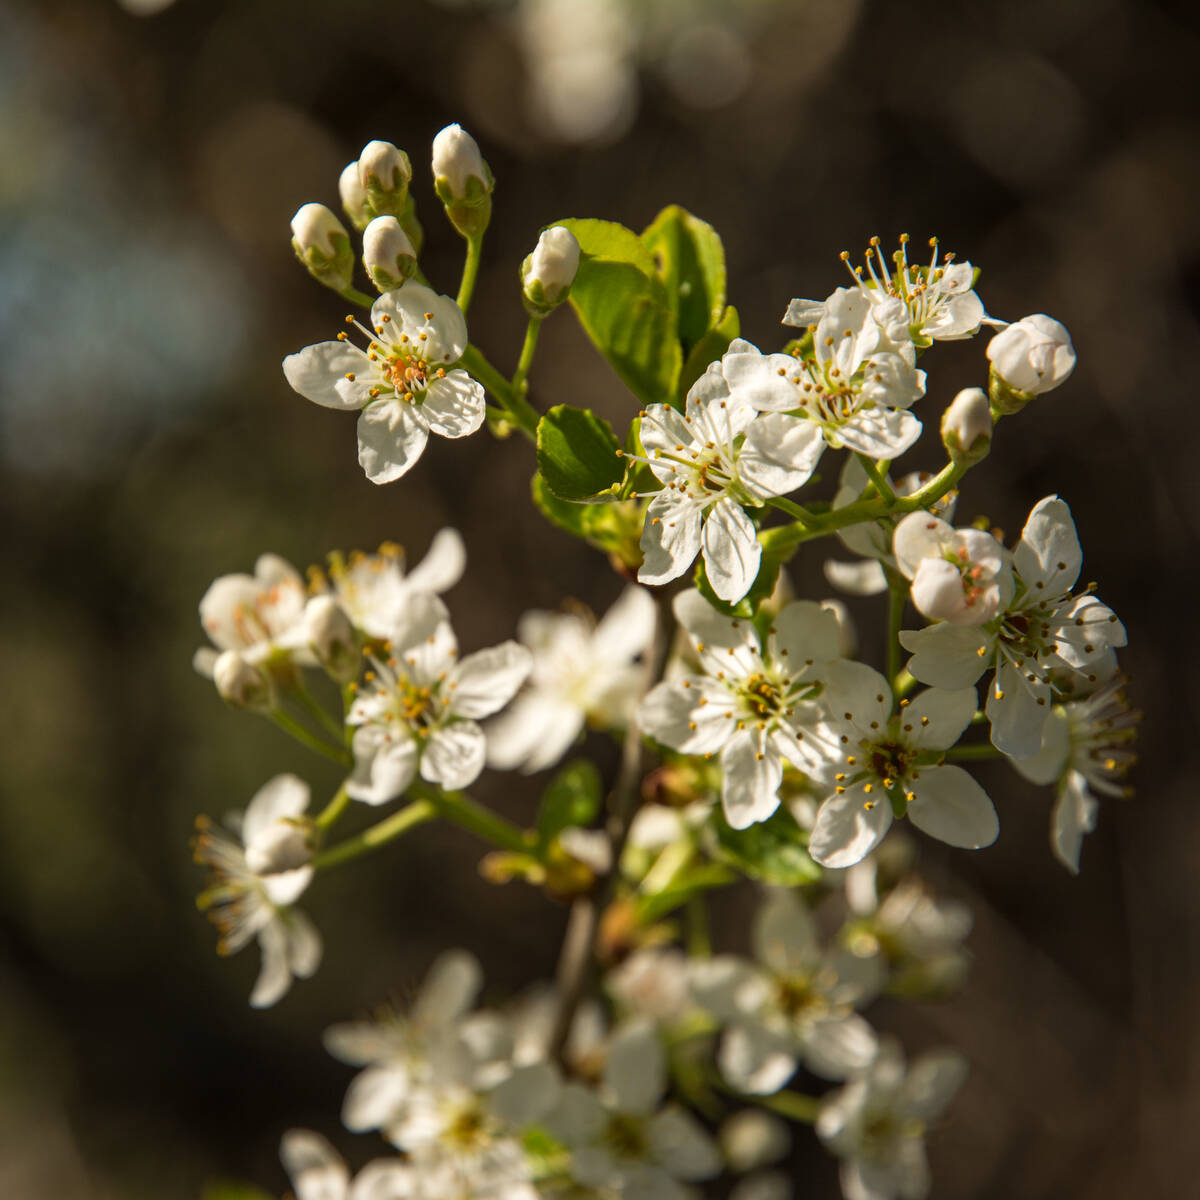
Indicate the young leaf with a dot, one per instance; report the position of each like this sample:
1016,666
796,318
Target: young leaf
577,453
573,798
708,349
623,307
760,589
691,263
774,850
615,528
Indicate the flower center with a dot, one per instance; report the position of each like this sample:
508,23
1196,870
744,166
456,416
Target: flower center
408,374
625,1137
468,1128
890,761
416,702
799,997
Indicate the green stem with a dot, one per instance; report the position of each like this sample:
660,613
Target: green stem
306,737
460,809
318,710
979,751
352,294
532,330
877,477
897,596
515,408
699,942
807,519
466,287
333,810
794,1105
410,816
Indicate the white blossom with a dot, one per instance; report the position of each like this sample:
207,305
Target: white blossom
547,273
1043,633
753,704
853,385
238,683
1086,747
653,983
714,459
796,1003
255,881
883,754
876,1123
384,173
958,575
318,1172
404,384
457,161
420,709
967,426
582,671
1033,355
388,255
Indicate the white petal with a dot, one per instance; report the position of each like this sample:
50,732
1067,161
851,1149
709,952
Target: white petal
857,694
881,433
753,772
391,437
1074,815
948,656
837,1049
680,1144
484,682
670,540
385,1179
578,1117
785,936
281,798
274,978
1018,720
953,808
305,947
627,629
418,309
1049,763
846,830
374,1098
449,989
286,887
454,755
1049,550
315,371
804,632
756,1060
803,313
731,550
383,768
723,643
443,564
755,379
635,1074
779,454
863,578
527,1095
919,535
454,406
317,1170
533,733
670,711
931,1083
727,986
939,716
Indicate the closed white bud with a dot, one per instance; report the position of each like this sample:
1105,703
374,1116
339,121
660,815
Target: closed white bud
462,180
281,846
547,273
355,202
240,684
751,1139
1030,357
967,426
388,255
331,635
323,246
385,173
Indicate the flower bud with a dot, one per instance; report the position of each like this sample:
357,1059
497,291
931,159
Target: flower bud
385,173
1032,356
281,846
967,426
329,632
547,273
462,180
388,255
240,684
323,246
354,197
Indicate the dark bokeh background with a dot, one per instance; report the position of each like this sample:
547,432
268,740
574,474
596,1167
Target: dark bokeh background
148,168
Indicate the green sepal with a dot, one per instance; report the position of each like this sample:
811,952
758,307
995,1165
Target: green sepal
774,851
709,348
690,261
572,798
624,308
748,605
577,454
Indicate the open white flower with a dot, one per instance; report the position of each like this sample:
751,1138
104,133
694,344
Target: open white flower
916,305
318,1172
796,1003
876,1123
582,671
404,383
853,385
958,575
753,704
883,758
1044,632
713,459
1086,746
420,708
257,879
374,591
620,1139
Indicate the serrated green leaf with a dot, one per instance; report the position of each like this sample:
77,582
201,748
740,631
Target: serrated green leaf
577,453
227,1190
760,589
572,798
774,851
690,261
708,349
623,307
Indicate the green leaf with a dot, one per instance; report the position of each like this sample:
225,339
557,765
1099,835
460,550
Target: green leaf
614,528
577,453
690,261
638,476
700,878
573,798
760,589
227,1190
623,307
774,850
708,349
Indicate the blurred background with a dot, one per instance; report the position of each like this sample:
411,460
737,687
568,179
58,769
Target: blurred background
151,156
